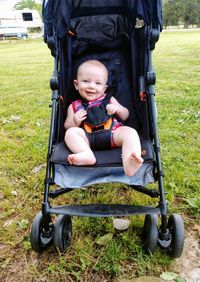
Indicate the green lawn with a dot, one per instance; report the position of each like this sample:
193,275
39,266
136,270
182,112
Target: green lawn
25,69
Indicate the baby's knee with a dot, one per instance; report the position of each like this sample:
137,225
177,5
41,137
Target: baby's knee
70,132
129,130
73,131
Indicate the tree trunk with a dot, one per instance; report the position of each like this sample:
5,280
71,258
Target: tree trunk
186,24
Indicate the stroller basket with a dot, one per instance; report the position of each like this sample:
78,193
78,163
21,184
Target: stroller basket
122,35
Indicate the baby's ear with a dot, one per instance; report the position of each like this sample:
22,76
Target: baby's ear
76,84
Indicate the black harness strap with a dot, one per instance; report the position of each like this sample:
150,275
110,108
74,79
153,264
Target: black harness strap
97,115
99,139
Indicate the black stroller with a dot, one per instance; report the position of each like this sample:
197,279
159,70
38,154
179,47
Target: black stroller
122,34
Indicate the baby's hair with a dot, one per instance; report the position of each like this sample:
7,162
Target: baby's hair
94,63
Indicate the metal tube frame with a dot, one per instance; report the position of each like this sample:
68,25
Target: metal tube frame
151,79
49,168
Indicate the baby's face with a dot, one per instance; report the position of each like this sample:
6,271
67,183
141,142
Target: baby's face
91,82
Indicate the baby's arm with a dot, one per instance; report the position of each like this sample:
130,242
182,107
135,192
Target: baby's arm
116,108
74,119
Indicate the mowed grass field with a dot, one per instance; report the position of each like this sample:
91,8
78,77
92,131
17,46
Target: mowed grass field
25,70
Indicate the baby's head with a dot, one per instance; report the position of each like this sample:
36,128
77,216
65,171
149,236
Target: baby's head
91,80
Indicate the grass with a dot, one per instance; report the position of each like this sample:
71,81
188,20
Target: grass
25,70
178,106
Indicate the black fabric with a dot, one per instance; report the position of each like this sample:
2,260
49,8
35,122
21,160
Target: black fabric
90,11
65,83
97,116
105,32
100,139
139,43
57,13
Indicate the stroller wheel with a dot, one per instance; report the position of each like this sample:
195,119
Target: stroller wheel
176,229
150,233
62,232
41,238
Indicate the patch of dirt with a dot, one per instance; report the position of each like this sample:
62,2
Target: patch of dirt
188,265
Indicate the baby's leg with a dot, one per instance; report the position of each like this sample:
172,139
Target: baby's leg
127,138
77,142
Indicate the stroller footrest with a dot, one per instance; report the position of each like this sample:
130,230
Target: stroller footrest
103,210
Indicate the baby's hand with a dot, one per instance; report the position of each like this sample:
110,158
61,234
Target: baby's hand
79,116
112,109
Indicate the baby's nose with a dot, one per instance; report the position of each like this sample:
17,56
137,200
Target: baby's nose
92,84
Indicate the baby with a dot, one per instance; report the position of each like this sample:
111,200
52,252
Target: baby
91,83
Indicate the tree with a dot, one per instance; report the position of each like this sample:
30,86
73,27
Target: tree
30,4
190,12
170,13
181,11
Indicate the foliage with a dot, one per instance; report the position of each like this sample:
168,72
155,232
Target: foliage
181,11
30,4
194,202
170,13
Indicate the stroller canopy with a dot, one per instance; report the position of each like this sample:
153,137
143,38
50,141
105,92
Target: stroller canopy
57,13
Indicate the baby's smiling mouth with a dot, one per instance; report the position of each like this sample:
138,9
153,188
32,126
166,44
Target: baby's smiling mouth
90,92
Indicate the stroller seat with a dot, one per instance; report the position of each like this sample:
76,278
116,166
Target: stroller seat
108,168
104,157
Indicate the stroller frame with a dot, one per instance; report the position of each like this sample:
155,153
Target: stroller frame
170,234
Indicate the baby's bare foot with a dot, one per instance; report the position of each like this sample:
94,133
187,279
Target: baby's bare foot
82,158
132,164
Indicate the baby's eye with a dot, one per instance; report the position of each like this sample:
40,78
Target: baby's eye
98,83
85,80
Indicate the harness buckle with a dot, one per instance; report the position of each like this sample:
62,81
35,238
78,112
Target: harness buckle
101,127
91,128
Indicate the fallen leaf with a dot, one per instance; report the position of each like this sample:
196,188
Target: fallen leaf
168,276
121,224
104,240
23,224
